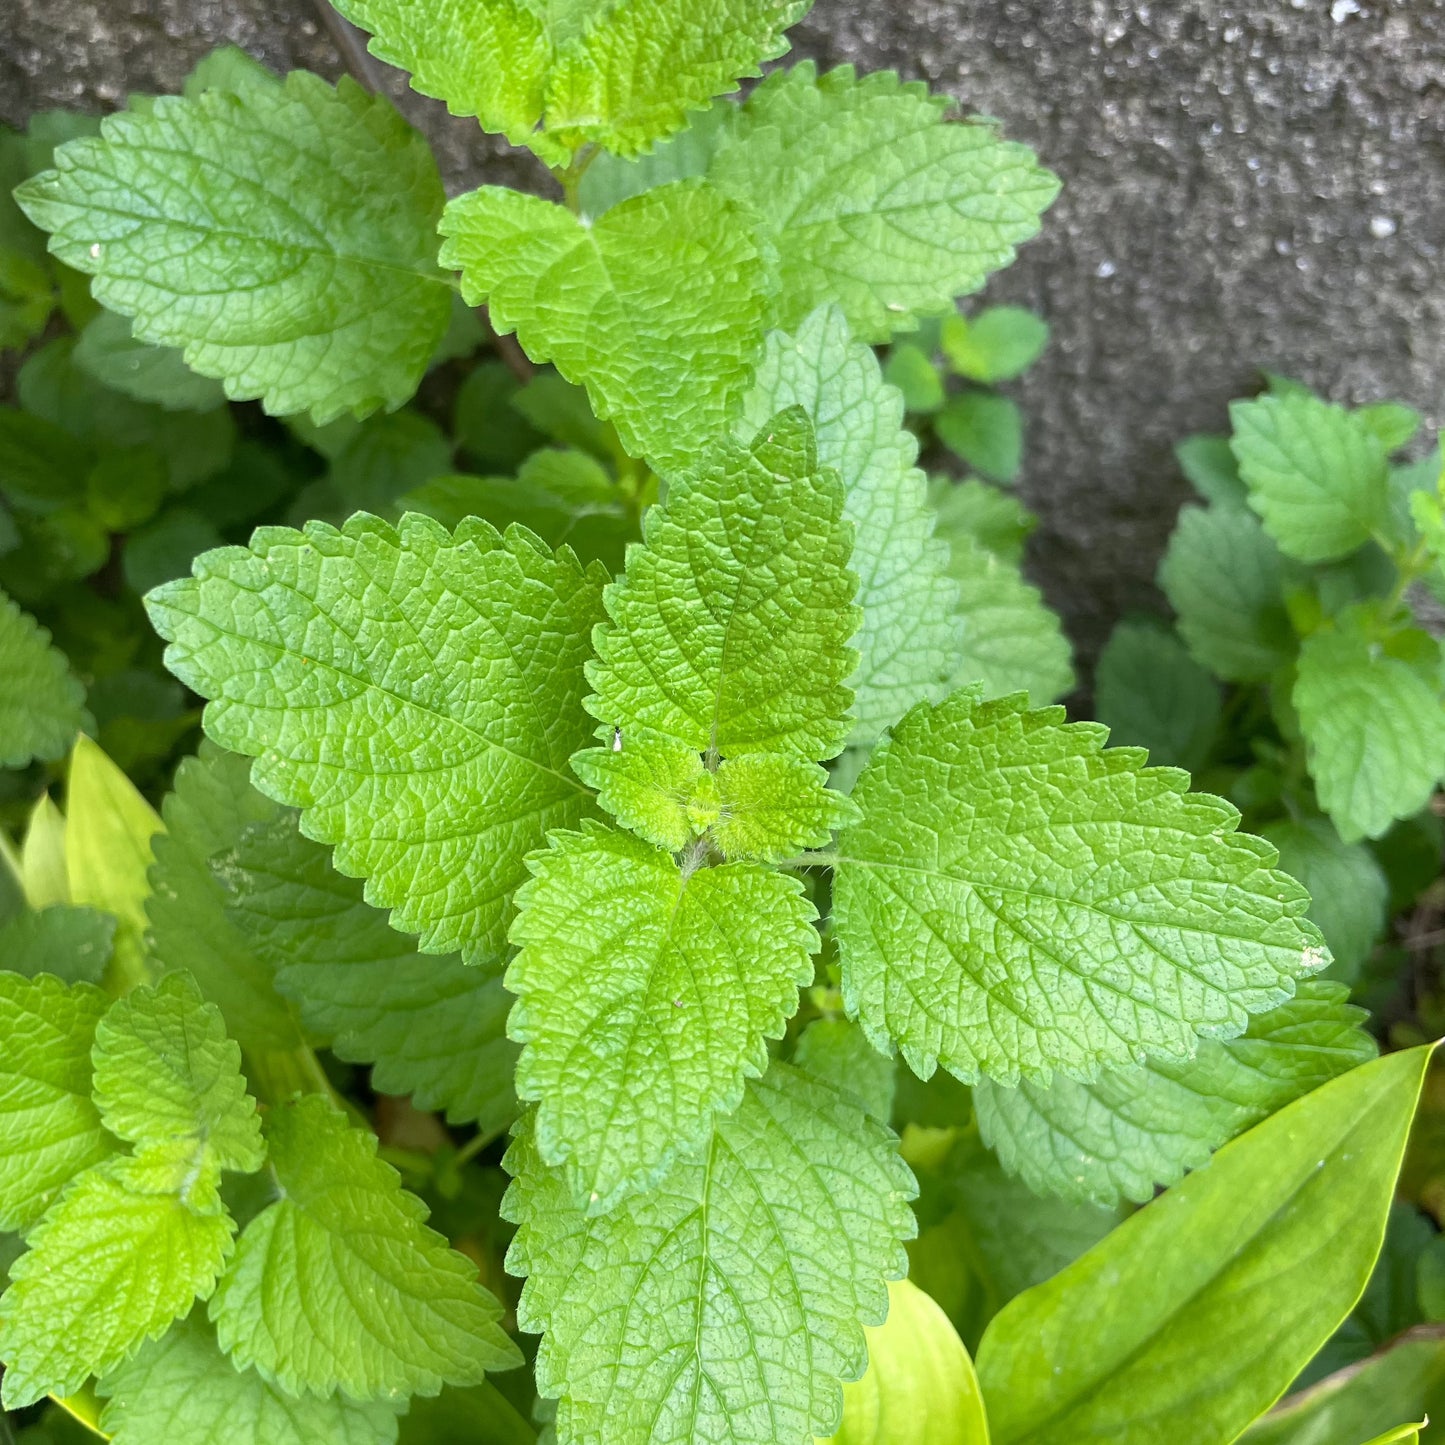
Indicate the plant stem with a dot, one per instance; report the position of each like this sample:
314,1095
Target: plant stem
811,860
351,47
507,348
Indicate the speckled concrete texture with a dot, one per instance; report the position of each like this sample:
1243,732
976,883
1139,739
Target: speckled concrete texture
1245,184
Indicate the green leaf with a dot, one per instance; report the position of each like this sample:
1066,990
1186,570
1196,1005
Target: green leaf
1315,472
984,430
998,344
909,635
727,1304
71,943
611,179
557,77
1132,1129
1208,462
42,859
1394,423
771,807
164,549
996,520
837,1052
121,1254
166,1074
658,299
334,658
1233,1279
42,466
434,1028
42,706
1018,901
1012,641
1225,579
646,993
340,1284
296,261
916,377
1151,694
109,833
229,68
49,1128
108,350
1374,726
1348,889
867,197
480,1415
183,1389
918,1372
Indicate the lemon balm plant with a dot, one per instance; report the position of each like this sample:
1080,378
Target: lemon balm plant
649,860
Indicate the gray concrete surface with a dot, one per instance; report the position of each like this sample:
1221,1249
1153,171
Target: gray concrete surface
1245,184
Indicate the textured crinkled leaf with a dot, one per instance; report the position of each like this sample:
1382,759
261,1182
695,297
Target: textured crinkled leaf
1374,726
42,706
645,996
1018,900
182,1389
729,631
433,1028
868,197
656,307
726,1304
285,239
1012,640
770,807
1229,1282
165,1072
212,805
108,350
837,1052
1226,580
1316,473
341,1284
909,634
1132,1129
119,1256
72,943
1150,693
428,679
49,1128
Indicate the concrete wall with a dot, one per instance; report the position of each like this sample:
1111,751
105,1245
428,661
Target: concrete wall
1245,184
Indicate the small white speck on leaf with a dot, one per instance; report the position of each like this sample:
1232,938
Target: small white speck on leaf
616,740
95,250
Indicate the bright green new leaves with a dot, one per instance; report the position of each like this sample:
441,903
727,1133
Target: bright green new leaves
42,706
119,1256
49,1128
167,1075
339,1282
1194,1315
1373,723
909,636
726,1304
656,307
645,996
1132,1129
182,1388
868,197
1225,580
920,1388
1019,901
408,674
998,344
1316,473
554,77
284,238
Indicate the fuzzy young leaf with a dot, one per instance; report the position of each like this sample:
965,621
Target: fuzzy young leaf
869,198
1374,725
166,1074
71,943
726,1304
1233,1279
434,1028
120,1255
1226,579
283,238
1019,901
42,706
645,996
340,1284
656,307
909,635
1316,473
182,1388
1132,1129
49,1128
401,673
